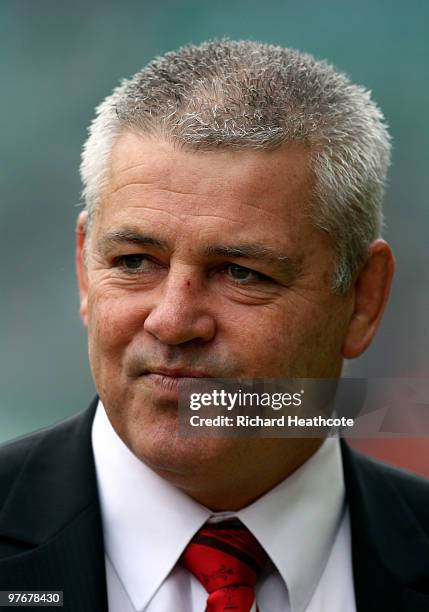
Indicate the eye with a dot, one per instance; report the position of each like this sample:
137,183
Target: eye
242,275
132,263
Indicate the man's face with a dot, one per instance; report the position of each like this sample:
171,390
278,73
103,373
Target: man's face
204,264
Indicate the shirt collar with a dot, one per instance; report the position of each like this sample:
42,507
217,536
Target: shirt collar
297,521
147,522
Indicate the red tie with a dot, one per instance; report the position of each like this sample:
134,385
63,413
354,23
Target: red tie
226,559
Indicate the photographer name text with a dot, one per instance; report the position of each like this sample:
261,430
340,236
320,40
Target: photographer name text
280,421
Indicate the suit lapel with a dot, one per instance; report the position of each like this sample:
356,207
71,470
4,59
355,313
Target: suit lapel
390,551
50,525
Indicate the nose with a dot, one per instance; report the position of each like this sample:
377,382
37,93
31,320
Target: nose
181,312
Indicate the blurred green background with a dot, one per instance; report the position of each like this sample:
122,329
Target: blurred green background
58,59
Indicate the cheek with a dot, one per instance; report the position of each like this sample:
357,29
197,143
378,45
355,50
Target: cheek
263,337
292,340
113,320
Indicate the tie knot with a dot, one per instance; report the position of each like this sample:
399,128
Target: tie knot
226,558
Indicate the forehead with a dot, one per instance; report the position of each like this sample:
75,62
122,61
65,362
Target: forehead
135,157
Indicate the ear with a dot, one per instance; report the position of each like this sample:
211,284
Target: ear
371,292
81,267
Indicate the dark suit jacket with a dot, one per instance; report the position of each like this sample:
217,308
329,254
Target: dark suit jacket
51,535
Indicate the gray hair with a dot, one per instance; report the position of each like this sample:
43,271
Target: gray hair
250,95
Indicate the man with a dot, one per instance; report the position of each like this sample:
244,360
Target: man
231,229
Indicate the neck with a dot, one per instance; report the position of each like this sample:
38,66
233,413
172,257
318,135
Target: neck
233,486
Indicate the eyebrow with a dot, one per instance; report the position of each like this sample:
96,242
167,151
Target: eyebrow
128,236
257,252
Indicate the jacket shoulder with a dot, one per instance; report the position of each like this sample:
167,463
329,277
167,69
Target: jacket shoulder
412,488
17,453
13,456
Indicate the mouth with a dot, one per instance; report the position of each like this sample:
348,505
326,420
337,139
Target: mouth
167,381
177,373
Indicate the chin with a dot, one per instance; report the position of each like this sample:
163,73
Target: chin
172,456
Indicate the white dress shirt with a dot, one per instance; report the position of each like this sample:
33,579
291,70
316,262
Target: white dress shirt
302,524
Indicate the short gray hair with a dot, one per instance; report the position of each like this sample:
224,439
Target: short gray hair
250,95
